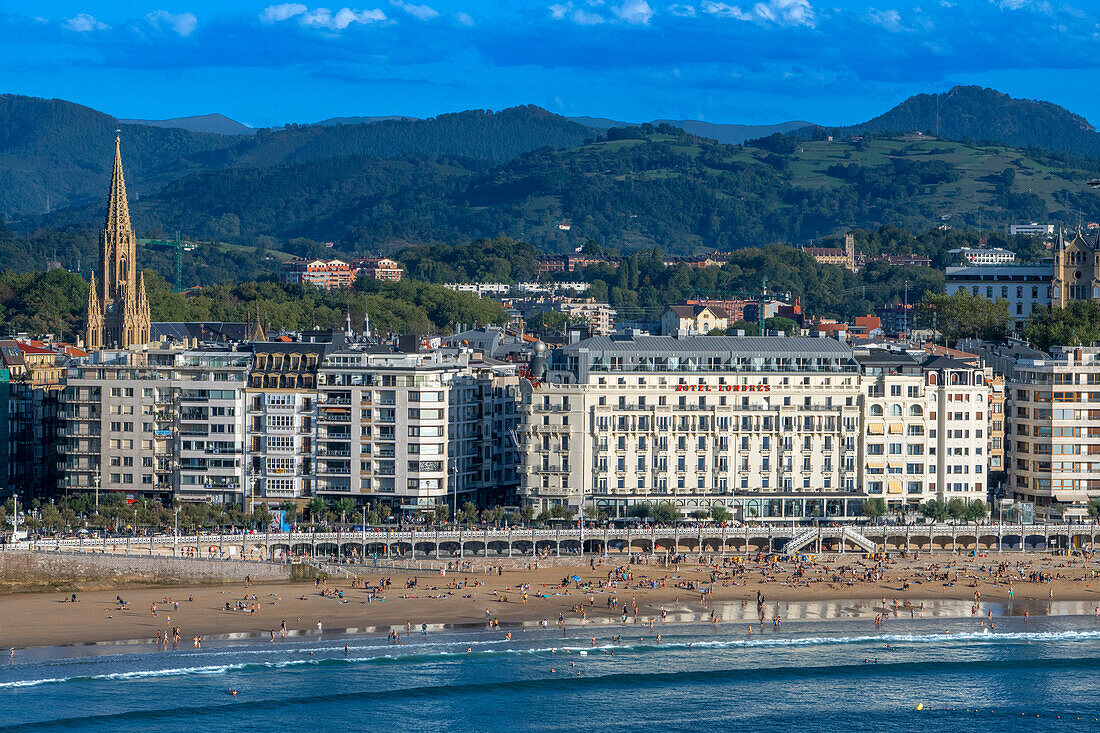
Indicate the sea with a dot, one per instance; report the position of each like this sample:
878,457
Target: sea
829,667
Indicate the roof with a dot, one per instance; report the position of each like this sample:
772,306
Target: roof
999,271
201,330
943,362
825,251
692,310
748,346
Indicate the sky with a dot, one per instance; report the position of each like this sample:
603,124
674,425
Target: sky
269,63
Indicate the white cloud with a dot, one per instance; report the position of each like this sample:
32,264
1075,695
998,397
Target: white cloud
183,24
423,12
780,12
320,17
277,13
635,12
464,19
888,19
83,23
1012,4
684,11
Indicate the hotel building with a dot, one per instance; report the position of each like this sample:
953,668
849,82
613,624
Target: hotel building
766,426
783,429
1053,439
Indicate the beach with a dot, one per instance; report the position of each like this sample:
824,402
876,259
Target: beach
529,595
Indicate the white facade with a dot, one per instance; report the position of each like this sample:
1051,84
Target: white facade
1033,229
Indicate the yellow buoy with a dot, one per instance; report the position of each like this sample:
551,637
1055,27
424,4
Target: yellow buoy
920,706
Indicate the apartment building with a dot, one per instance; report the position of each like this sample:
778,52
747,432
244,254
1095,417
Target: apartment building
766,426
157,424
326,274
925,428
1052,446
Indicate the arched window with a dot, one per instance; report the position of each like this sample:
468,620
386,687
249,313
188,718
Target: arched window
932,378
876,410
916,410
895,410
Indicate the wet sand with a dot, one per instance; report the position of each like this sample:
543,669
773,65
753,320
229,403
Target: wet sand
45,619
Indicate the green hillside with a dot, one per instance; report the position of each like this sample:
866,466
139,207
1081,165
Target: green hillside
976,113
55,153
631,191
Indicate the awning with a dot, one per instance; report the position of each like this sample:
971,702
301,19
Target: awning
875,464
876,429
896,428
893,487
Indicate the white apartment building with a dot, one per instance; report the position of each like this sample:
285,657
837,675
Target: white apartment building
1033,229
925,425
766,426
1052,440
158,423
983,256
1025,287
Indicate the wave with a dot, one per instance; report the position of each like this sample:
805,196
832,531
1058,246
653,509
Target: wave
542,686
417,653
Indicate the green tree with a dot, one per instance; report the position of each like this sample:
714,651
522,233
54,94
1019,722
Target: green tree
317,506
442,513
964,315
874,508
467,512
976,510
1075,325
666,512
934,509
261,516
956,508
720,513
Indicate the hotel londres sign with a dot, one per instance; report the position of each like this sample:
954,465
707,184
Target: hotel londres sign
723,388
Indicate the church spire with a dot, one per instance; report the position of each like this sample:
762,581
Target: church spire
121,310
118,210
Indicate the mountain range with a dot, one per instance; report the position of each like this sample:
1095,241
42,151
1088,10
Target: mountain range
376,184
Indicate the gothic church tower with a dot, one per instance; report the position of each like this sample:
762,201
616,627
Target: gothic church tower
118,316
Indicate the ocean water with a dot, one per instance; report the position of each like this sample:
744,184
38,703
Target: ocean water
814,674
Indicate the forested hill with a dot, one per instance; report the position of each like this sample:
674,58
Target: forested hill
636,189
974,113
54,153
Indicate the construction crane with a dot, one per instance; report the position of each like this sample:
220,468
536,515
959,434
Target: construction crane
180,246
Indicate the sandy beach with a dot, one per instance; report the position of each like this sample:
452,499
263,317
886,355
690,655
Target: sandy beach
468,598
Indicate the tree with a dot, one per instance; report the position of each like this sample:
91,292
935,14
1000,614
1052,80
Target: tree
700,514
467,512
934,509
976,510
290,511
964,315
666,512
317,506
493,516
527,512
956,508
345,506
641,511
442,513
874,508
563,511
719,513
1076,324
261,516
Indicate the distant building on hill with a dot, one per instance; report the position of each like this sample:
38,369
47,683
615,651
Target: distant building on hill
975,256
325,274
1033,229
845,257
693,319
379,268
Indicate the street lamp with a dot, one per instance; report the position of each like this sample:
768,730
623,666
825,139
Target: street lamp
95,480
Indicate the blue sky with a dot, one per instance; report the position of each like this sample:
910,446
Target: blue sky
267,63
